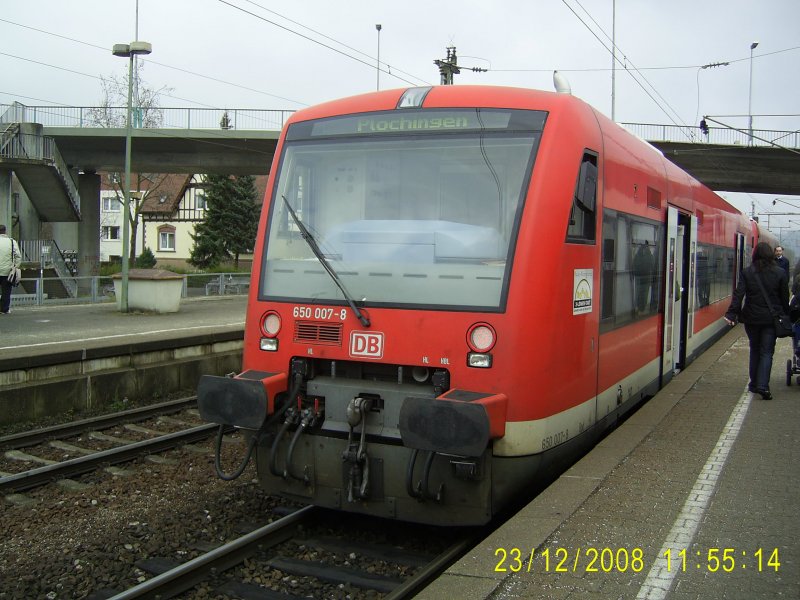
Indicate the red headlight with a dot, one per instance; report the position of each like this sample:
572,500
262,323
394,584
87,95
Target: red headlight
271,324
481,337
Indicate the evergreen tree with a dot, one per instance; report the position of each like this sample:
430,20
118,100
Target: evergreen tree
244,218
229,227
146,260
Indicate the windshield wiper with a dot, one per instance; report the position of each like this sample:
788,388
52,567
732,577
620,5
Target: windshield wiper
312,243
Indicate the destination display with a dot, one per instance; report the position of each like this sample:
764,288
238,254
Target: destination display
420,121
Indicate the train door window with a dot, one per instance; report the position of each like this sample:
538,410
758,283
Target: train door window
646,263
581,227
607,281
623,284
632,269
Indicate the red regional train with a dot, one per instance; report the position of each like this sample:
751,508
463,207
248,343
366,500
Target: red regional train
457,289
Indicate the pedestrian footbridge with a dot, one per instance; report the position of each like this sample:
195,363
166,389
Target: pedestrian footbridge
41,170
47,145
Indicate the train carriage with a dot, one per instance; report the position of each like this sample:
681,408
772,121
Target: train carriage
458,289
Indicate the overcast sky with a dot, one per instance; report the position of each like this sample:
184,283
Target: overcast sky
287,55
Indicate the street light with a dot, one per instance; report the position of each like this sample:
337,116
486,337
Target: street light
378,27
750,102
128,51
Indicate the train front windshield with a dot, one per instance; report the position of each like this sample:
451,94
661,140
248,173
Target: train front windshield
408,208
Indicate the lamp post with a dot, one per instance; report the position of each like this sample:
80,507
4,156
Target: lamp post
378,27
128,51
750,101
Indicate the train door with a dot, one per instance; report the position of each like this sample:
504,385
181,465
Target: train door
740,254
676,296
691,296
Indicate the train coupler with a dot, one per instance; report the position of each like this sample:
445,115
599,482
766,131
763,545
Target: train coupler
356,454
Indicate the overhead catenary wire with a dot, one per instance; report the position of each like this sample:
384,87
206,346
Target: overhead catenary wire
327,37
149,60
240,86
187,71
624,65
722,167
310,39
655,68
144,61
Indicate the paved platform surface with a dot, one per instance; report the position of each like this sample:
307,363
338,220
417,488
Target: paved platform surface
44,330
705,474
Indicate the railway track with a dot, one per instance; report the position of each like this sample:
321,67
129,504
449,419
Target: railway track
65,430
308,553
275,548
43,442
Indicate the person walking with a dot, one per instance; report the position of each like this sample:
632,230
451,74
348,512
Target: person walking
749,306
781,260
10,260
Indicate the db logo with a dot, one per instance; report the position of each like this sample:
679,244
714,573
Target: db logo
367,344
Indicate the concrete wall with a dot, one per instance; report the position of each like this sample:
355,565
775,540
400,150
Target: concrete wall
92,381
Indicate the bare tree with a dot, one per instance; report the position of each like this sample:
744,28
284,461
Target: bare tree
145,113
145,103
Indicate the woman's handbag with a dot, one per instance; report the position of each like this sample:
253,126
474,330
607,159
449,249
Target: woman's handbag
14,277
783,324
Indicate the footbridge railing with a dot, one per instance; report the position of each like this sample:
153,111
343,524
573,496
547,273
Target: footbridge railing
716,135
169,118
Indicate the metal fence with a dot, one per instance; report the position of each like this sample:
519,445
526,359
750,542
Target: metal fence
168,118
716,135
101,288
273,120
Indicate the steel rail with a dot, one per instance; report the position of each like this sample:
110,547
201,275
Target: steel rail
410,587
189,574
84,464
37,436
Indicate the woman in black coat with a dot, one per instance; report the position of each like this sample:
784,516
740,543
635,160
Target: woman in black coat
756,314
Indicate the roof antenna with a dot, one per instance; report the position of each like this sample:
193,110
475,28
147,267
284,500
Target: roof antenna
561,84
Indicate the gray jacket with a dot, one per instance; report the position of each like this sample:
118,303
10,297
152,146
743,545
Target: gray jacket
9,247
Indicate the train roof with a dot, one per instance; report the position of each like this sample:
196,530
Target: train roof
443,96
503,97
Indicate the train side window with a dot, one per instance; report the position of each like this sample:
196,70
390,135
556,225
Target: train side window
582,219
632,269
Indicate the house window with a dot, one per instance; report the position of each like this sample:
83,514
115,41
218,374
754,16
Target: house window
200,201
166,239
110,232
111,204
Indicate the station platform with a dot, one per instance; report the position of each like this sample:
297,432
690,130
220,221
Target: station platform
58,360
34,333
695,496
